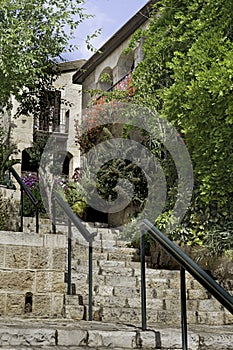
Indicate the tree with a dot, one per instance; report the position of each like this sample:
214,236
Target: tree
187,75
34,35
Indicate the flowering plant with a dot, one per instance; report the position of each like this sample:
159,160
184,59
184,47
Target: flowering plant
32,183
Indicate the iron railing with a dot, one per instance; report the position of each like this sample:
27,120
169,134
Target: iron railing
115,86
89,237
29,194
186,263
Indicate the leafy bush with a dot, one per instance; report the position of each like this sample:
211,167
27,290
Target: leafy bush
3,213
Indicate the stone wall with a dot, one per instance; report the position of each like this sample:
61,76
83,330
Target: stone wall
32,274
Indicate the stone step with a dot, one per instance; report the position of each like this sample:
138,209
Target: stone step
113,253
48,334
158,316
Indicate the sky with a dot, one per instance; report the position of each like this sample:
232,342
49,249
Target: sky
109,15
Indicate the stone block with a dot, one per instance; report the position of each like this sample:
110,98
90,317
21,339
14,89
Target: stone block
169,294
171,339
109,301
197,294
17,257
55,241
217,340
116,271
58,285
154,304
210,318
2,304
17,280
59,258
126,292
147,340
111,264
84,269
228,317
114,255
57,305
44,281
124,314
75,312
168,317
42,305
104,291
209,305
120,281
157,283
193,284
75,337
192,305
26,338
2,256
172,304
112,339
80,278
20,239
15,304
40,258
50,281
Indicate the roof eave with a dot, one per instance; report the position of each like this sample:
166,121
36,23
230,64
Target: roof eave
120,36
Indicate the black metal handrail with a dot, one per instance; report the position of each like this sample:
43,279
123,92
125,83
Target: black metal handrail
29,194
186,263
89,237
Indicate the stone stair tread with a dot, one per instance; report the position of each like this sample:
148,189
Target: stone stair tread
64,334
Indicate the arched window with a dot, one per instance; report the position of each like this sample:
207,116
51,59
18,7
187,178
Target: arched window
105,80
125,64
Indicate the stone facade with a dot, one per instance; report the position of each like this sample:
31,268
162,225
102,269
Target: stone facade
111,57
32,274
23,128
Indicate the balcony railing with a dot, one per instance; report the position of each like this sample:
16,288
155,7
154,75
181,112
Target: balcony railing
123,84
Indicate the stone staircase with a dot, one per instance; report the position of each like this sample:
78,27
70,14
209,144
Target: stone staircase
116,298
117,293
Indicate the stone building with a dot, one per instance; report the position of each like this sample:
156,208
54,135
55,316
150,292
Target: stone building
63,105
109,69
111,58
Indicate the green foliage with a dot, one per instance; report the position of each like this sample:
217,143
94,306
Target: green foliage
34,36
187,76
105,77
3,213
74,195
217,241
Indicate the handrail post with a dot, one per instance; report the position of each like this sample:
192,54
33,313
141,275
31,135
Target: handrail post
37,220
53,214
69,259
21,209
183,309
143,282
90,280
